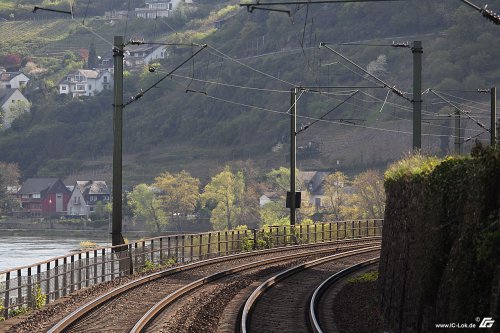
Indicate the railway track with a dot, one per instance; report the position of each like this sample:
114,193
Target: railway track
321,301
282,303
121,309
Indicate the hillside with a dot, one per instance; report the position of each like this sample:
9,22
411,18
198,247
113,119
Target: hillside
230,102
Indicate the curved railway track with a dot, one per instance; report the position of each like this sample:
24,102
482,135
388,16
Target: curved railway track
281,303
320,307
120,309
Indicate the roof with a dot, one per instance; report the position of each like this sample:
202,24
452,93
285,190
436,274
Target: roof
313,180
88,187
37,185
143,48
5,94
7,76
88,73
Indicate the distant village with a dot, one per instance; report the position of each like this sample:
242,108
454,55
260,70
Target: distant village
42,197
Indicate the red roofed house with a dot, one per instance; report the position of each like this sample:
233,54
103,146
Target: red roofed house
44,196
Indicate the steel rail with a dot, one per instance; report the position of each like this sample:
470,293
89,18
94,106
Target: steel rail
252,300
161,305
315,325
89,306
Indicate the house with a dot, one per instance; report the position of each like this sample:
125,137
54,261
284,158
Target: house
86,195
15,80
117,14
43,196
159,8
12,104
312,181
267,197
140,55
86,82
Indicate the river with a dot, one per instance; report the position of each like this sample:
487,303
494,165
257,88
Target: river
18,251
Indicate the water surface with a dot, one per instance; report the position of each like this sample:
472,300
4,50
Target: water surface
18,251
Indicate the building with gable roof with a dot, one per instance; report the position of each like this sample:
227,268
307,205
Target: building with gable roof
86,82
86,195
14,80
43,197
12,104
159,8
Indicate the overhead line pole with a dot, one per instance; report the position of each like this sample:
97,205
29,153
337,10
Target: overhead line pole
116,229
493,137
458,131
417,51
293,144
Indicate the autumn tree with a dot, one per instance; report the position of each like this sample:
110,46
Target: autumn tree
369,194
225,191
179,194
336,197
147,207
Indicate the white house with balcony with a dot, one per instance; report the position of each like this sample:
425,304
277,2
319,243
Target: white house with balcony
140,55
159,8
86,82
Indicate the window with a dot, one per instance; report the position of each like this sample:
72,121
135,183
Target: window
63,88
80,87
22,83
105,79
8,86
25,196
90,87
170,6
36,196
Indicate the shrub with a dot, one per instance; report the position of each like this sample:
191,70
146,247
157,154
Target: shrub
39,297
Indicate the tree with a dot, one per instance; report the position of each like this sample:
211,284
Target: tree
334,191
92,60
179,194
147,207
369,194
226,190
11,173
279,180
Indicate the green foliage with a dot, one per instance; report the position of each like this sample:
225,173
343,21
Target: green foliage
226,191
365,277
411,167
19,311
149,266
2,318
147,207
39,297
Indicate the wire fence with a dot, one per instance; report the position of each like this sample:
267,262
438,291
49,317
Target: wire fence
44,282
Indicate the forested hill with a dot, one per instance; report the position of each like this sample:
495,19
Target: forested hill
230,101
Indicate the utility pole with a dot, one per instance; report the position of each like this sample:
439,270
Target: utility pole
493,115
417,51
293,143
116,230
457,133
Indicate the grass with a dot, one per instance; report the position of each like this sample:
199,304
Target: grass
366,277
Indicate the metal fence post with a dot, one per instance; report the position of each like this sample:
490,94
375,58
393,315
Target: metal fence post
47,283
56,279
218,243
200,248
87,268
161,249
30,289
6,299
103,265
209,254
19,287
254,239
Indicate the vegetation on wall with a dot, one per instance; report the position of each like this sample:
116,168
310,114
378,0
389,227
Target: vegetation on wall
441,240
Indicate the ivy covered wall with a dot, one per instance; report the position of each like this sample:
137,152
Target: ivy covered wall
440,259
